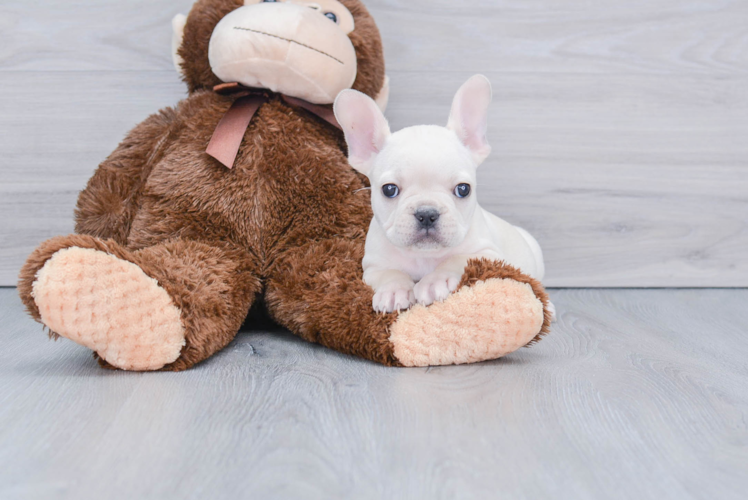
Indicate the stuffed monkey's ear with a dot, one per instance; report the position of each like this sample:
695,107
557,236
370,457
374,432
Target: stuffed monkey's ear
178,23
383,97
366,129
469,117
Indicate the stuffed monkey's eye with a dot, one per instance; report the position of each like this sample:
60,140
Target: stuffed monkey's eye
462,190
331,16
390,190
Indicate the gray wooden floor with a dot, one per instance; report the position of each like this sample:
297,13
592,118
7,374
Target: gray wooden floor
638,394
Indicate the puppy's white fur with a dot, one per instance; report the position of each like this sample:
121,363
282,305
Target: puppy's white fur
406,262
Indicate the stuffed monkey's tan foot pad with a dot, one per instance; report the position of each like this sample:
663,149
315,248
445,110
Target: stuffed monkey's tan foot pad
485,321
110,306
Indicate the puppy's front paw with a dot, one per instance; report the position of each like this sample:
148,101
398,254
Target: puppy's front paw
393,297
436,287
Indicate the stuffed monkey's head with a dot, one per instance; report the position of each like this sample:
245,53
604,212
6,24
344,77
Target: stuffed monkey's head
310,49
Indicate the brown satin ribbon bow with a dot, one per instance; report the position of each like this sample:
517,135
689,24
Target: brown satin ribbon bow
229,133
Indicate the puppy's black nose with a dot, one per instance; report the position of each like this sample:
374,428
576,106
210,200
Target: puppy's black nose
427,217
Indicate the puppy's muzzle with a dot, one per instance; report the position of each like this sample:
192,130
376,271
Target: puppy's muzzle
427,217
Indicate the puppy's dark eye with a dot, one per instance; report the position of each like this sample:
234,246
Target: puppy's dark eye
462,191
269,1
331,16
390,190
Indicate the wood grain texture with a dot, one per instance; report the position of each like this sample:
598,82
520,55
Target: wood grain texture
88,35
554,36
618,128
636,394
57,127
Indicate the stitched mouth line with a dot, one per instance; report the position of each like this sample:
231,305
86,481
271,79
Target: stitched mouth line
291,41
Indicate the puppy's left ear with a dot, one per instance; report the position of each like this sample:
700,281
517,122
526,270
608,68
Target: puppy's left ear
469,116
366,129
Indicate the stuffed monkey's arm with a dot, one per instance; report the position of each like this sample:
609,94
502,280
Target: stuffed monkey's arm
107,205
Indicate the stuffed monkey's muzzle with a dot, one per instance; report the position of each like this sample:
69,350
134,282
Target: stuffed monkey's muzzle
284,47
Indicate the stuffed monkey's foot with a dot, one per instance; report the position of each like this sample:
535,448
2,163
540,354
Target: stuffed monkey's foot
495,311
110,306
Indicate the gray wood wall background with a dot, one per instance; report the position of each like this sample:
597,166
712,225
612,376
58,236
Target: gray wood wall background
620,129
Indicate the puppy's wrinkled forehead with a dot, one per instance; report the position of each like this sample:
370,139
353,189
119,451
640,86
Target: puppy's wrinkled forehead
426,152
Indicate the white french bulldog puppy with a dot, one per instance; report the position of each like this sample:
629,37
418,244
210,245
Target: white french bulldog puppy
427,222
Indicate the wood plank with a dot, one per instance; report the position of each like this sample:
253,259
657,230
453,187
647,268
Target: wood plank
55,35
578,36
57,128
551,36
636,394
623,181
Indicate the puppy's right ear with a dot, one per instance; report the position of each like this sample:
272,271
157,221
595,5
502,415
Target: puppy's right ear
365,127
469,117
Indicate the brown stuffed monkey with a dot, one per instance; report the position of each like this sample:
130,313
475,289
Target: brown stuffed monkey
174,245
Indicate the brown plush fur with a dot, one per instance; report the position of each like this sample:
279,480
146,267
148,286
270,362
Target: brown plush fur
289,221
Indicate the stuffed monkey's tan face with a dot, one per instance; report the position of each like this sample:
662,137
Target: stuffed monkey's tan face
295,47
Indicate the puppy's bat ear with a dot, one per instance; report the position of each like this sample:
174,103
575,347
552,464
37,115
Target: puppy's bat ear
365,127
469,116
178,23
